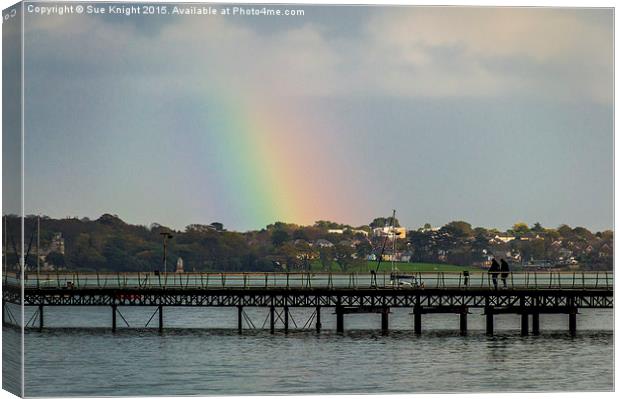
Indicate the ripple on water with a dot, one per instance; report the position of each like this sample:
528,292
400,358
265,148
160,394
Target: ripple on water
184,361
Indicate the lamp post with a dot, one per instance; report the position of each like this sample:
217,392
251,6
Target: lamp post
6,252
38,249
166,237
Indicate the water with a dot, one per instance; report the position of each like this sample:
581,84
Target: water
200,353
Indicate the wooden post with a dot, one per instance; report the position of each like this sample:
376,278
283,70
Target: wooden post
160,311
40,317
113,318
463,320
339,320
272,319
524,317
286,319
488,311
318,319
417,316
240,319
385,314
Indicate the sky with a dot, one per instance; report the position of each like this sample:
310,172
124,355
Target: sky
489,115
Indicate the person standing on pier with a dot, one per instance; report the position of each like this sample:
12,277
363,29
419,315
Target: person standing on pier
505,269
494,271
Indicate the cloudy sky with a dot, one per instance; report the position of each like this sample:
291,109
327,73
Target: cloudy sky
489,115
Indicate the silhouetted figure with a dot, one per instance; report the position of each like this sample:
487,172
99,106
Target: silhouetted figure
494,271
505,269
373,279
466,278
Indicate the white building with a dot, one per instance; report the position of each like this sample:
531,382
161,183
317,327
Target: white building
401,232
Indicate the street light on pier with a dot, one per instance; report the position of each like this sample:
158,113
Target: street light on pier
166,237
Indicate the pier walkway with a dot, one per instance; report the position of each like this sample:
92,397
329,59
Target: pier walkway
528,294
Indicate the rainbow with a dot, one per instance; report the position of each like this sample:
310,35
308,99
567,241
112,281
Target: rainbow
264,152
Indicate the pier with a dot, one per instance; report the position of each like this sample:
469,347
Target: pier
346,294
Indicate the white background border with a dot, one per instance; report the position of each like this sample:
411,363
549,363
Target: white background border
592,3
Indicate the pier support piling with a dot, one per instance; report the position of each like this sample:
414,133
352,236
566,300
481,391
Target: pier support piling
385,314
113,318
524,317
536,323
272,319
524,324
240,319
4,323
417,316
572,322
463,321
572,316
536,316
286,319
417,321
488,311
160,313
40,317
339,319
489,316
318,319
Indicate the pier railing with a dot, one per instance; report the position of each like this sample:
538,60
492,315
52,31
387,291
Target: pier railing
353,280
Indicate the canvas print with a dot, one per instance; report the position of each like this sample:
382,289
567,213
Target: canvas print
238,199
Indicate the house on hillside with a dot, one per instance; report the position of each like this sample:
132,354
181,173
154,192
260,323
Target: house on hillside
501,239
322,243
400,232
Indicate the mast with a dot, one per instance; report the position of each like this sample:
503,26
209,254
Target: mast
5,247
38,245
393,230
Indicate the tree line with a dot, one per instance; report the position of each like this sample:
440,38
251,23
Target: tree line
110,244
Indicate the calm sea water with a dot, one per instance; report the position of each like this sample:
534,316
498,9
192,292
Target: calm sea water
200,353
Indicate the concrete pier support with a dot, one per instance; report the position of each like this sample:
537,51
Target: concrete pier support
240,319
113,318
536,323
463,321
339,319
272,319
286,319
40,317
385,314
160,313
318,319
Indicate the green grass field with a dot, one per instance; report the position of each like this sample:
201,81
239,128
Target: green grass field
402,266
